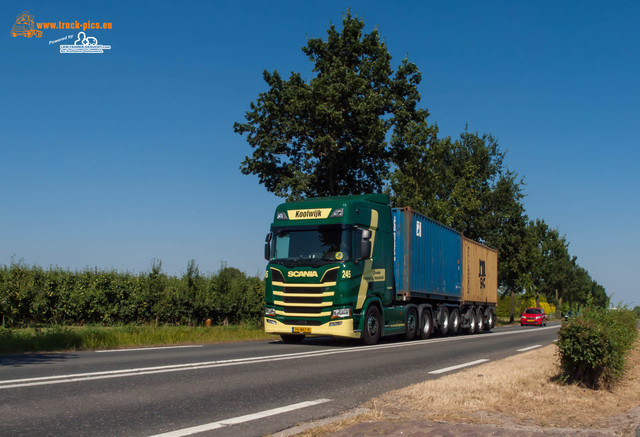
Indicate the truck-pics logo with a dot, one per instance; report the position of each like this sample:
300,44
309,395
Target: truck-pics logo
24,26
84,44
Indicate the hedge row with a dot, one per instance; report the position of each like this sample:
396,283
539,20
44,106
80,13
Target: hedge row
594,346
32,295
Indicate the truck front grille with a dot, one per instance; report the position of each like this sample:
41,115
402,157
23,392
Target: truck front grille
302,310
305,290
304,299
297,299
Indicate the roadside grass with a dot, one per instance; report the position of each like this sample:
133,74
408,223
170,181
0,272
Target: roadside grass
521,390
91,337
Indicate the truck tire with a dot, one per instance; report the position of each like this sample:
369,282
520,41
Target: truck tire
426,324
443,322
479,320
292,338
372,326
472,321
454,321
411,323
489,319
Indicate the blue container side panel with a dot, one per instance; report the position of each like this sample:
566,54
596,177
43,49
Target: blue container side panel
427,257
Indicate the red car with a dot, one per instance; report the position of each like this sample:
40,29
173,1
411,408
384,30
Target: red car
533,316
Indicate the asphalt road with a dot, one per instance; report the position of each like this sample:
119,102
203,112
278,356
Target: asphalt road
240,389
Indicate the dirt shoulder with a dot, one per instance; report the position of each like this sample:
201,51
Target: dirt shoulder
514,395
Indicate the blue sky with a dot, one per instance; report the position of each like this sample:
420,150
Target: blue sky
116,159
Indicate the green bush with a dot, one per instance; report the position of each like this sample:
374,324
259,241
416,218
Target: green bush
594,346
32,296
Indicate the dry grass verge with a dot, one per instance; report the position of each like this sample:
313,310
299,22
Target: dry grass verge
517,391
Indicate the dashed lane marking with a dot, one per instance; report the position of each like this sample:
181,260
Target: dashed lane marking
241,419
459,366
529,348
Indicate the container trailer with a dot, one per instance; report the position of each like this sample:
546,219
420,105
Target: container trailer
353,267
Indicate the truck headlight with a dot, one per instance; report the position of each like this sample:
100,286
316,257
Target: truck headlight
270,312
341,313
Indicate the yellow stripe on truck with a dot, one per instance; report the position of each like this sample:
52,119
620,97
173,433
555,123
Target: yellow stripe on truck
323,314
368,273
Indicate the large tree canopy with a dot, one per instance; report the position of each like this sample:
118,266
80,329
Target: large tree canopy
327,136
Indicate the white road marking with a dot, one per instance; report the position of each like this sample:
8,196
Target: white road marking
148,348
459,366
529,348
241,419
93,376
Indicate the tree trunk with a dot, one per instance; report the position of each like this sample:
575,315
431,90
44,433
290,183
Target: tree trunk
537,300
513,306
559,307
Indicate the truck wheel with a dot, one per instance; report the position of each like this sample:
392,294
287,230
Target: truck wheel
454,322
411,323
372,326
426,323
479,320
472,321
489,322
291,338
443,323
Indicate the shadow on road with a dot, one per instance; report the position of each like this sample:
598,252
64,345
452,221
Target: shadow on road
27,359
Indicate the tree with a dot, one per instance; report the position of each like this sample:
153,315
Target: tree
453,181
557,275
506,230
553,268
327,136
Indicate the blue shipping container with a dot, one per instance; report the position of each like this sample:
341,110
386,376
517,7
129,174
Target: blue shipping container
427,257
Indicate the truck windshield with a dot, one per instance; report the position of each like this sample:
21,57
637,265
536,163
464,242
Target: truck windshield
311,246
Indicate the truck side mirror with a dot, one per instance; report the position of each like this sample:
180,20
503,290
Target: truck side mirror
267,246
365,244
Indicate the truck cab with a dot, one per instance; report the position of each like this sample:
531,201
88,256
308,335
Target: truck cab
330,269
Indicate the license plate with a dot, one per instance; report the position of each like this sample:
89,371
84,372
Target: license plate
301,330
530,320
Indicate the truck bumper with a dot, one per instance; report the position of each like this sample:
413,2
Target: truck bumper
335,328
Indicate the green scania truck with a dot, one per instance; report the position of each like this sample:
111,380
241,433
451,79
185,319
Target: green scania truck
353,267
